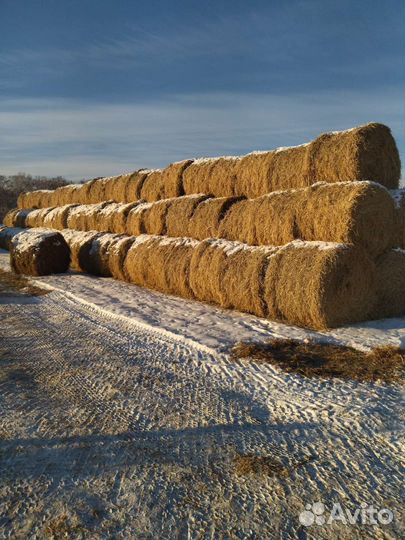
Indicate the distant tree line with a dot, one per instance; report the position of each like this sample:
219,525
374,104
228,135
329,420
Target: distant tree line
12,186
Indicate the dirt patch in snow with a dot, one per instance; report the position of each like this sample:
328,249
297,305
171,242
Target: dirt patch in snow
311,359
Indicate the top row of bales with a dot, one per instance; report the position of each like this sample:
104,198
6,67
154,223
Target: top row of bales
367,152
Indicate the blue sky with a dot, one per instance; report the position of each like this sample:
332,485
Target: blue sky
97,87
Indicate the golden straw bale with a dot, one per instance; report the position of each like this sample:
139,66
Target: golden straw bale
105,217
10,218
78,244
399,201
230,274
390,285
23,200
135,223
117,254
320,285
39,252
95,254
36,218
119,218
57,218
207,217
85,217
180,212
239,222
111,187
165,183
96,192
154,217
213,176
367,152
133,186
161,263
347,212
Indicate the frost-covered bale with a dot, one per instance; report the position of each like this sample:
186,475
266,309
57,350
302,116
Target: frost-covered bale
213,176
133,187
390,285
36,217
66,195
367,152
16,217
57,218
105,217
208,215
85,217
95,254
230,274
119,218
77,242
39,252
348,212
135,219
6,235
319,285
180,212
161,263
117,254
399,201
40,198
165,183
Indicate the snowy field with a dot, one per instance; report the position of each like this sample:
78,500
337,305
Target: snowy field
123,416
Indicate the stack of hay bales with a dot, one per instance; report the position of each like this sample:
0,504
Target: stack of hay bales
309,234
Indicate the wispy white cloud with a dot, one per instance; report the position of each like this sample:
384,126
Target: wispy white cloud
80,140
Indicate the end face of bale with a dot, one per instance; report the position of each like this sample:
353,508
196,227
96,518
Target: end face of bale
38,252
330,284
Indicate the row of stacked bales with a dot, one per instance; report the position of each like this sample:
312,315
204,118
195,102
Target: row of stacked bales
219,246
349,212
332,284
368,152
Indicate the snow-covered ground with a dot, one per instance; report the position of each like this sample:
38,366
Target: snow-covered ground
122,416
